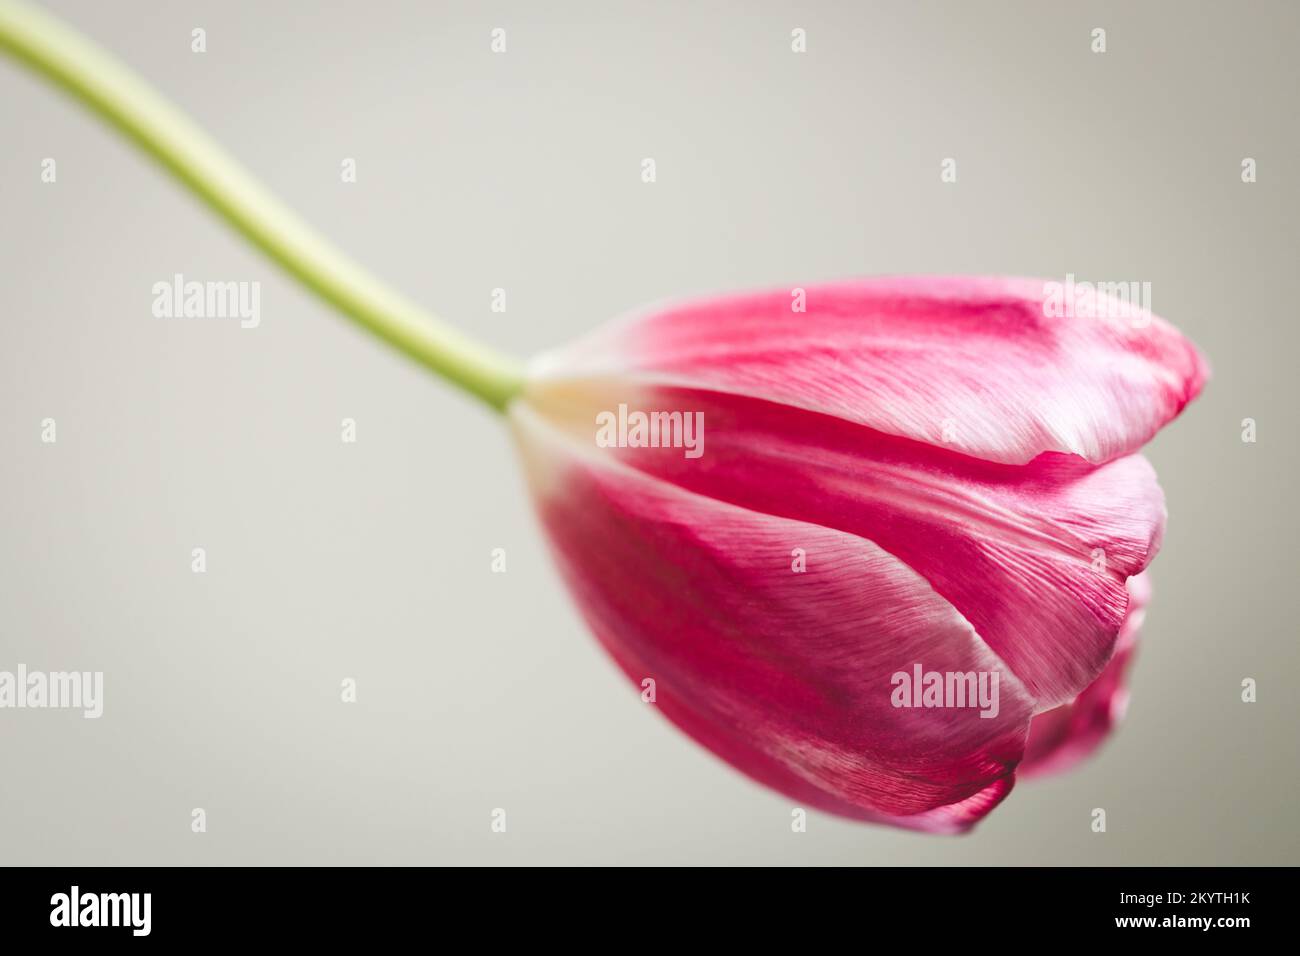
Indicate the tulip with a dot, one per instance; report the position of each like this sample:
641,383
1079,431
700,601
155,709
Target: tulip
875,544
954,469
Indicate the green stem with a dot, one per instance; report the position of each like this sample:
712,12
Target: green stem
124,101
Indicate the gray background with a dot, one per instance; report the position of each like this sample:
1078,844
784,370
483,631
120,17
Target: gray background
371,561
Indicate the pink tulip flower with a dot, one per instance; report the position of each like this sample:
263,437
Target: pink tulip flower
876,544
911,476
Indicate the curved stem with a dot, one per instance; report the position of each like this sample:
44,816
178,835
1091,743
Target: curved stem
128,104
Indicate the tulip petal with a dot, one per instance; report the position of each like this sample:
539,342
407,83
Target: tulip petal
788,676
978,364
1060,738
1034,557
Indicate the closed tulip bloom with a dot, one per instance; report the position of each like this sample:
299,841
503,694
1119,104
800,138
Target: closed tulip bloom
877,544
789,509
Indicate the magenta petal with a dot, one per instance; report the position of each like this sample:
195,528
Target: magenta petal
978,364
961,816
1034,557
1065,735
785,675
